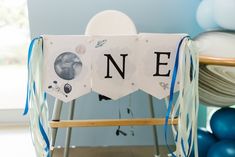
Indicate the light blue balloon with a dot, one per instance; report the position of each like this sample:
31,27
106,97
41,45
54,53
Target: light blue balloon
224,13
205,15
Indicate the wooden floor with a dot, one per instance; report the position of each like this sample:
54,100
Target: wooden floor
134,151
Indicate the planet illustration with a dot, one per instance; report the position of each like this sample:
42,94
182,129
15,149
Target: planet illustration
68,66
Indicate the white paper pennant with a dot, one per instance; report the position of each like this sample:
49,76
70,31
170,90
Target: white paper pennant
67,66
156,63
114,66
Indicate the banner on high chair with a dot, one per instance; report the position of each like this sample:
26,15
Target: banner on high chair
69,66
114,66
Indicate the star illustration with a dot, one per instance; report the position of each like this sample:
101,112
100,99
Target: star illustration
164,85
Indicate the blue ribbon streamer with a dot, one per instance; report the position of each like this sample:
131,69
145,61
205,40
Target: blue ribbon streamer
182,145
190,142
26,109
174,75
44,135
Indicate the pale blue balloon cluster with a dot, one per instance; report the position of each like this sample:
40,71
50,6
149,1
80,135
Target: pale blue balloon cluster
216,14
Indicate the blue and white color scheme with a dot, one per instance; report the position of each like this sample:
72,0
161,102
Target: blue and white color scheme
114,66
69,66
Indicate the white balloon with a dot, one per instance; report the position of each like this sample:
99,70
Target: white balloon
219,44
205,15
224,13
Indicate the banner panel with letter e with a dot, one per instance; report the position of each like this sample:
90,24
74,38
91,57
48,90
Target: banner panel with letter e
156,63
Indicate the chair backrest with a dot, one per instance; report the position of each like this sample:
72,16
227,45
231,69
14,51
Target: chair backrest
110,22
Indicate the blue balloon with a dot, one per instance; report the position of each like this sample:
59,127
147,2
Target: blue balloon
205,141
224,148
223,123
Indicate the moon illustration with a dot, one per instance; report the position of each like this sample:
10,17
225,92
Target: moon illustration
68,66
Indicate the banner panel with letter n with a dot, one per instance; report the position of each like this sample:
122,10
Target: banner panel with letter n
114,65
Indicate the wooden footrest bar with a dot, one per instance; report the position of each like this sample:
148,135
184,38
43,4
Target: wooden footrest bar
217,61
110,122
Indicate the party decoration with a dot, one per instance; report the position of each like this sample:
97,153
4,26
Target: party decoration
216,83
161,67
224,148
216,44
69,66
224,12
216,86
222,123
36,100
216,14
205,15
120,65
114,71
205,141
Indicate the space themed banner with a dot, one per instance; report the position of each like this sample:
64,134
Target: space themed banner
114,66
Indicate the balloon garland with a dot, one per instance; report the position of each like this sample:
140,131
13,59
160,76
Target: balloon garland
216,14
221,141
216,82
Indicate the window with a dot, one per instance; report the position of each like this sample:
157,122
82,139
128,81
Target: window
14,40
